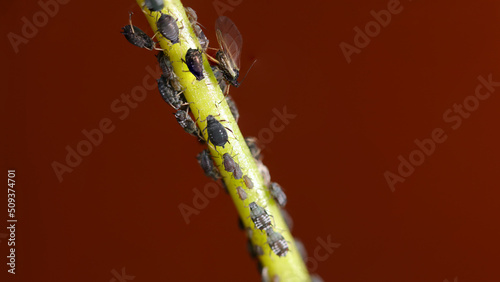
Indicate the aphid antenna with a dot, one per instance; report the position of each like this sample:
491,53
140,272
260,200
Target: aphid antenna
212,146
223,120
198,23
198,131
179,94
231,154
239,83
216,157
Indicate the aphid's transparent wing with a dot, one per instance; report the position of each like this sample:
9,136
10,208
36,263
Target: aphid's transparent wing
229,38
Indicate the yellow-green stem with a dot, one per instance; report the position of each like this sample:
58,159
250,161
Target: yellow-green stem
204,97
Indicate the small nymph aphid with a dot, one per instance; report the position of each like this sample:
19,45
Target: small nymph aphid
260,217
277,242
167,26
207,164
241,193
278,194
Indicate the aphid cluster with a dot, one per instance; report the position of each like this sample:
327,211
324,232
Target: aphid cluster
226,71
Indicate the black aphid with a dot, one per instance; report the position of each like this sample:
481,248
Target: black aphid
168,93
154,5
237,173
207,164
254,148
277,242
259,216
248,181
232,107
193,19
241,193
168,71
220,78
192,16
201,37
165,64
228,162
217,134
194,61
136,36
167,26
278,194
186,122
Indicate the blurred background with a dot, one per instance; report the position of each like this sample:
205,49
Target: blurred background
362,86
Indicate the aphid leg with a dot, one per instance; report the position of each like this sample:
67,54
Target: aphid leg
182,22
213,147
144,9
198,113
130,21
198,134
212,58
180,92
274,222
229,130
226,92
155,34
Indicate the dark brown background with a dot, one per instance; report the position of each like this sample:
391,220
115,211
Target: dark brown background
119,208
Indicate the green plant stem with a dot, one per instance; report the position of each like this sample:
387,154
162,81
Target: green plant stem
206,98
